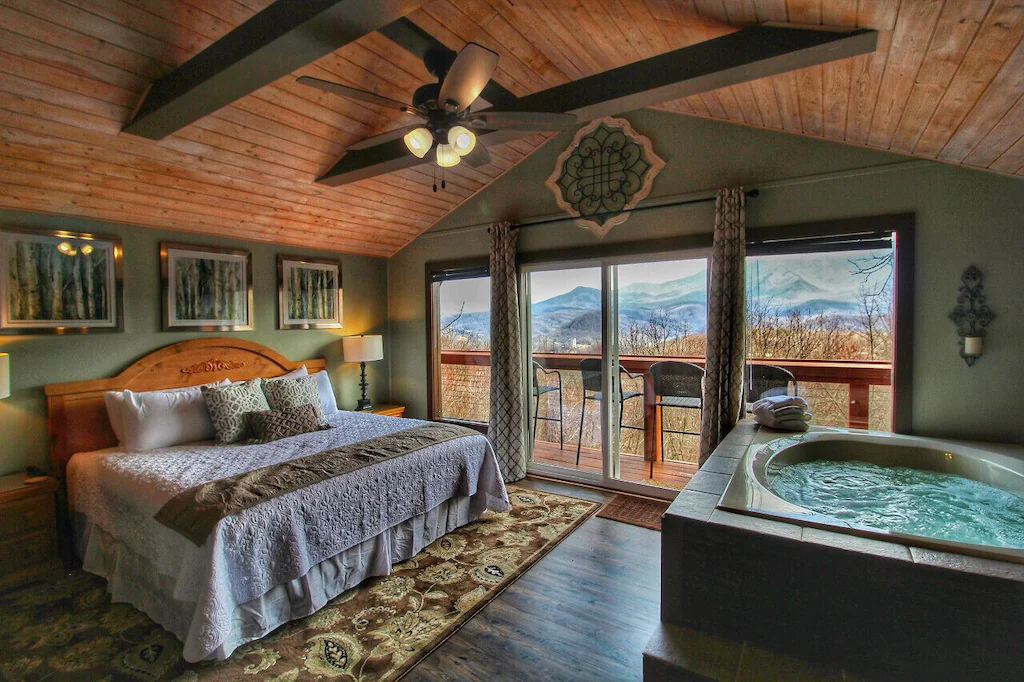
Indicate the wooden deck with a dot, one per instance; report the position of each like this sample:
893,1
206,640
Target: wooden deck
667,474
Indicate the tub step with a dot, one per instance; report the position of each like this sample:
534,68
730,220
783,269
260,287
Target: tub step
676,654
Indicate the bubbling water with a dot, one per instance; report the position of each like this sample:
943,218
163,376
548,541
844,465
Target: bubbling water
910,501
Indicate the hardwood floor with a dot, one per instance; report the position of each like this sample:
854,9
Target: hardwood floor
583,612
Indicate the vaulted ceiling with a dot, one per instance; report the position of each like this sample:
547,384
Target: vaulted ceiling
946,83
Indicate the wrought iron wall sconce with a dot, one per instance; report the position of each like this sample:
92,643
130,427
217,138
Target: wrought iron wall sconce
971,315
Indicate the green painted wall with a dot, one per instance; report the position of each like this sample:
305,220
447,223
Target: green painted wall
963,217
39,360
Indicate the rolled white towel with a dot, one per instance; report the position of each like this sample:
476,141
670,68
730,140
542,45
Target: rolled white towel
779,401
772,418
789,413
781,413
790,425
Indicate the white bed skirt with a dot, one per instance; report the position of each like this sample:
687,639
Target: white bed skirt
133,579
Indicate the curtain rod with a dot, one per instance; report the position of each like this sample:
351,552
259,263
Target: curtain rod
750,193
829,176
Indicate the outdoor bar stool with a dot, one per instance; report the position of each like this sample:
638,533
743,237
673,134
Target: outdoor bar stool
676,384
767,380
539,390
590,368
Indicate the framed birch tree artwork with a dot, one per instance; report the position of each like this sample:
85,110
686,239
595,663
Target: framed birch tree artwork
55,282
206,288
309,293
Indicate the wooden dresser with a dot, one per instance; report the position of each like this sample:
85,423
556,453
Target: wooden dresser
28,530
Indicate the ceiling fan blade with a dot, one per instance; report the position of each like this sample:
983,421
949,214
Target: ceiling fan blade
467,77
478,157
356,93
522,120
383,137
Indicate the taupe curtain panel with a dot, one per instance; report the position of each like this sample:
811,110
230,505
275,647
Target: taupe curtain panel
508,414
723,380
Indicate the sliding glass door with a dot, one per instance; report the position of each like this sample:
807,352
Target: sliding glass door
564,342
660,325
613,364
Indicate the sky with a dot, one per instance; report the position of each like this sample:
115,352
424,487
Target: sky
475,292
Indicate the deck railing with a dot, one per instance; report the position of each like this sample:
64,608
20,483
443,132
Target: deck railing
858,377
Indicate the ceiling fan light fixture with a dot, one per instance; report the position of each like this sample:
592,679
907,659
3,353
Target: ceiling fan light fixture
447,156
461,139
419,142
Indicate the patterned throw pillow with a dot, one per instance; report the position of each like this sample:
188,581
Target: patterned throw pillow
277,424
285,393
229,408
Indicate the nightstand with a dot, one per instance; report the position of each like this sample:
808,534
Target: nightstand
389,410
28,529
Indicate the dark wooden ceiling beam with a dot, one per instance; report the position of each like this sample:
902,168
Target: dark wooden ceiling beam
273,43
417,41
746,55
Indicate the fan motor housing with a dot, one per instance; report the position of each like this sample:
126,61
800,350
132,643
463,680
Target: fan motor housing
425,96
438,61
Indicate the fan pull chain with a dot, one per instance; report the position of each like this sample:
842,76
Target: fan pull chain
442,178
435,178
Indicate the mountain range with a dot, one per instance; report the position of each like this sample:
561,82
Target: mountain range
815,284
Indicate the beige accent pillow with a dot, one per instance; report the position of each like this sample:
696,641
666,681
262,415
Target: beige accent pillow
288,393
230,406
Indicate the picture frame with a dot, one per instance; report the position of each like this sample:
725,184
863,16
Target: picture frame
206,288
309,293
60,282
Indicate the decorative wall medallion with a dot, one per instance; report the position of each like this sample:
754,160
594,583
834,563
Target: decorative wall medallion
606,171
212,365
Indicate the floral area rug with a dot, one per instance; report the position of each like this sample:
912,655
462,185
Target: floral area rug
69,630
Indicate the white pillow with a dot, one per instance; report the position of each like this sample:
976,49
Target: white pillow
295,373
160,419
115,412
328,402
115,405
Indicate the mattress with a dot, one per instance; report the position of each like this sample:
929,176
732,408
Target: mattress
198,592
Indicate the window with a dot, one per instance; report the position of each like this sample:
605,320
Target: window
460,330
821,324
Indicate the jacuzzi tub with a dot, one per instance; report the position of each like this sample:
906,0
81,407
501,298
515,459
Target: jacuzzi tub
749,491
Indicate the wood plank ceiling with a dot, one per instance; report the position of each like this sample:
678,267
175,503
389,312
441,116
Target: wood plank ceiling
947,84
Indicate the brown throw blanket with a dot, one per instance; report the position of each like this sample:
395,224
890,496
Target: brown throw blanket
196,511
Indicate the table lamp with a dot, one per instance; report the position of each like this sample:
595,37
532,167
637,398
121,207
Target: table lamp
363,349
5,375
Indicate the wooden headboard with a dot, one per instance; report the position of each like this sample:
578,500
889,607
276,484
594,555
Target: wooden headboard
78,415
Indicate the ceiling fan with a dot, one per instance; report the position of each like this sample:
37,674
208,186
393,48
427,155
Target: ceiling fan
447,122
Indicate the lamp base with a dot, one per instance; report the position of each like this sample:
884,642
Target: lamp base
364,402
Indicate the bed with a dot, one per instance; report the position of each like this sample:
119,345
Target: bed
281,558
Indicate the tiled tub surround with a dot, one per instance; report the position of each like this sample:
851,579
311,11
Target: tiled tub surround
881,609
